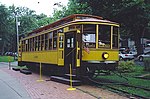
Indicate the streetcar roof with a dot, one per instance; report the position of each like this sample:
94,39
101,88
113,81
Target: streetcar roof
72,18
94,20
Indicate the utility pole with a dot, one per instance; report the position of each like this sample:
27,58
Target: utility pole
17,24
16,17
1,45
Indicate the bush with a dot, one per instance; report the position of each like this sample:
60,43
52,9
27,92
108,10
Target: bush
147,64
126,66
6,59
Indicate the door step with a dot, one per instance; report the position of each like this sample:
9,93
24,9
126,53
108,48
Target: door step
25,71
74,77
65,80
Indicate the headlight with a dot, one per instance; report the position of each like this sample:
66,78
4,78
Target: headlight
105,55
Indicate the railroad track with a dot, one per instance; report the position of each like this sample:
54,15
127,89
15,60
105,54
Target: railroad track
109,85
128,93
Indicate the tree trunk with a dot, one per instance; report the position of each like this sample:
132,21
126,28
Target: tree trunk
138,42
3,45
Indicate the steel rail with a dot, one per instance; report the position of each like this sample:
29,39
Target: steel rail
108,83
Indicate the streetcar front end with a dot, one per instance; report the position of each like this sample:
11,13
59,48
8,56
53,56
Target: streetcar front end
100,43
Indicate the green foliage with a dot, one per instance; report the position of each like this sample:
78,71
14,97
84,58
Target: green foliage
4,13
21,67
77,8
28,22
42,20
133,15
126,66
6,59
73,8
139,71
131,90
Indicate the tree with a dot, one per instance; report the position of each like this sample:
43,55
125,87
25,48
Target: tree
28,22
43,20
77,8
133,15
73,7
4,13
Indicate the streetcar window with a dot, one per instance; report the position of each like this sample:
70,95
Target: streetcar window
68,43
36,43
89,35
75,27
51,35
50,40
61,41
55,40
60,30
26,46
50,44
55,44
30,44
61,38
115,37
104,39
39,45
60,44
72,42
28,49
23,46
46,41
42,42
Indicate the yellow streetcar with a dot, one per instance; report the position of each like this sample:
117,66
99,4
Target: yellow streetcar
86,42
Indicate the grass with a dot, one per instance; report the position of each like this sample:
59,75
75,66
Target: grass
136,91
139,70
147,76
21,67
6,59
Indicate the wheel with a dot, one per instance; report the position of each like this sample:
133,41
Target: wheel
25,71
90,72
120,58
141,59
16,69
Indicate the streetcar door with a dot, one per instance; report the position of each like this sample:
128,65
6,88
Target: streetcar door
60,49
70,50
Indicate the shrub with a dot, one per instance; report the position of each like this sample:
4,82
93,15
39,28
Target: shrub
6,59
126,66
147,64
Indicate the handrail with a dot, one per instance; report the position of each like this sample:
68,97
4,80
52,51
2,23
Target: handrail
71,51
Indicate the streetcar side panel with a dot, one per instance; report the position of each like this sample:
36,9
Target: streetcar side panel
43,56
